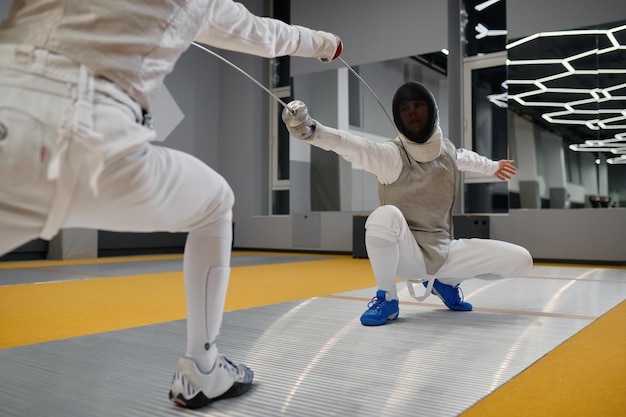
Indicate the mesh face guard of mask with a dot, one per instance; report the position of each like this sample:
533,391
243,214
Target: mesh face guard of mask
409,91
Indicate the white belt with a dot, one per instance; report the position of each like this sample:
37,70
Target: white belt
79,128
76,138
76,129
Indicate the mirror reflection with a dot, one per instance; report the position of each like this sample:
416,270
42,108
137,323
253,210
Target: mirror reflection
566,95
553,102
322,181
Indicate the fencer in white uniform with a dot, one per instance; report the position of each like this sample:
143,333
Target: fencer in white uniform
77,80
410,235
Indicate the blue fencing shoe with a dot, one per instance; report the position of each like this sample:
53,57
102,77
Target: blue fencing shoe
452,296
379,310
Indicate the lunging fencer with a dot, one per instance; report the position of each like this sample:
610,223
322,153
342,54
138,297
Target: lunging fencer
409,236
77,80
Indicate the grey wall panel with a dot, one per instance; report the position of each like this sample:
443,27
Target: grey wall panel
558,197
373,31
337,230
300,187
194,85
74,243
530,196
324,180
364,190
532,16
575,235
306,230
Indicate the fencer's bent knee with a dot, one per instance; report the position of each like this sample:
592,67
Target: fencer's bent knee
216,203
524,261
221,228
227,194
222,198
386,222
517,261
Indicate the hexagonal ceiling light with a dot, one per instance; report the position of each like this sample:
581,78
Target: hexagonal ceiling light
576,80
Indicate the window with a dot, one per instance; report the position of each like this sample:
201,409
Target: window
485,131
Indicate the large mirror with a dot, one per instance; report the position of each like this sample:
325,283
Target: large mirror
553,101
566,92
322,181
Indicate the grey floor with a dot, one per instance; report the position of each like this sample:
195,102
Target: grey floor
312,357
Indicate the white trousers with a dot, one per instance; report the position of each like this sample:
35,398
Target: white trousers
73,153
467,258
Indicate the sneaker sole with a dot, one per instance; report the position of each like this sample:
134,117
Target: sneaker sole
380,323
201,400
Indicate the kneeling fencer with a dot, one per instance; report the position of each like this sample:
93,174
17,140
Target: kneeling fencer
410,235
77,83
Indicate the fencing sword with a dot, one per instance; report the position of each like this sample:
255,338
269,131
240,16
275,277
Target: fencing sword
267,90
381,106
275,97
356,74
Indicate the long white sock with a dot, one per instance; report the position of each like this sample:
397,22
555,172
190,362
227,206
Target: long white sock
384,256
206,269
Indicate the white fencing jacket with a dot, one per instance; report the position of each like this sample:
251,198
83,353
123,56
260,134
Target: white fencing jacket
136,43
384,159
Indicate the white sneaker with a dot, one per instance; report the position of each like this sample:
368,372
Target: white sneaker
191,388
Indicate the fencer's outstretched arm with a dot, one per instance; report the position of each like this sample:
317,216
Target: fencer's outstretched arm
229,25
471,161
380,159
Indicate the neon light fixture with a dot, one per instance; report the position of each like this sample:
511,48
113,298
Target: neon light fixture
482,6
597,109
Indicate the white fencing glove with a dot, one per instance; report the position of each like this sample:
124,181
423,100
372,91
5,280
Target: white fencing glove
324,46
332,46
297,119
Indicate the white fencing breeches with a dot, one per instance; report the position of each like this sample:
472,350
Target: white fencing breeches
467,258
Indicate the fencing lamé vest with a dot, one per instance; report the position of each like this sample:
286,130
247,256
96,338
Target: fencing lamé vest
425,193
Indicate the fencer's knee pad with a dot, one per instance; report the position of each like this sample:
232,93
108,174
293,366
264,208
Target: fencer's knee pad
386,222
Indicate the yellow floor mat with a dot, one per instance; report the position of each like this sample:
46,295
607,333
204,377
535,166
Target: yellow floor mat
583,377
35,313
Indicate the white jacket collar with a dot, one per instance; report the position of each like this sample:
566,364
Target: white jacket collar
427,151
